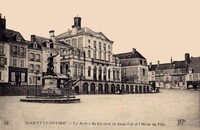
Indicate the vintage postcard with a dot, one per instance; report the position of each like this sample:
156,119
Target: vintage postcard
99,65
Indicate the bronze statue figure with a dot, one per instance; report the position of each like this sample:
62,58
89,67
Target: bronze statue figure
50,67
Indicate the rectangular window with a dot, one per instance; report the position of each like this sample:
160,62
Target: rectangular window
100,55
12,76
80,42
95,54
1,61
140,62
95,44
31,56
38,68
22,63
108,57
89,54
23,77
0,76
108,46
99,45
104,55
14,50
38,57
15,62
22,51
2,49
31,67
104,46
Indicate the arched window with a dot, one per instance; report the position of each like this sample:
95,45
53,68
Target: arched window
89,71
113,74
117,75
109,74
61,69
100,73
51,45
95,73
44,44
104,74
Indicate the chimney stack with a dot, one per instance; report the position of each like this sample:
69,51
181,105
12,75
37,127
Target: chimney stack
187,58
33,38
133,50
2,22
158,62
171,59
150,64
77,22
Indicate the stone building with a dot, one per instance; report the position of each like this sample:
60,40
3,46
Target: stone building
13,56
133,67
35,62
176,74
90,60
193,75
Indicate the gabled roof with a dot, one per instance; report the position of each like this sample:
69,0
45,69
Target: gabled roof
195,64
8,35
128,55
80,31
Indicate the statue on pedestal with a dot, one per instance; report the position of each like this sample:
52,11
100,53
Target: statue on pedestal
50,67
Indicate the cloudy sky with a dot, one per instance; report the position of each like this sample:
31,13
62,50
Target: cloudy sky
157,29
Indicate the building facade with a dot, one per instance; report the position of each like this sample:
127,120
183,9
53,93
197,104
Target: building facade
176,74
133,67
91,59
14,53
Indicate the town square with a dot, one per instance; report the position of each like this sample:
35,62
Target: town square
99,65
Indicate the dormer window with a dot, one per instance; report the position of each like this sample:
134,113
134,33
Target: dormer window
191,70
18,38
35,45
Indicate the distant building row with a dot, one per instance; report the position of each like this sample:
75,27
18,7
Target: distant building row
176,74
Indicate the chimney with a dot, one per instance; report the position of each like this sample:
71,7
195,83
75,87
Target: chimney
77,22
33,38
187,58
158,62
171,59
52,35
150,64
2,23
133,50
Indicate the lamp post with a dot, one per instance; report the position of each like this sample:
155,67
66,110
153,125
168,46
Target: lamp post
36,78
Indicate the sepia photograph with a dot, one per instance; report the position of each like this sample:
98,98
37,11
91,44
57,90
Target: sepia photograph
100,65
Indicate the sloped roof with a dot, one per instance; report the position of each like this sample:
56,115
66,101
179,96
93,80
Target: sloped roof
128,55
9,35
80,31
179,64
195,64
152,67
165,66
40,39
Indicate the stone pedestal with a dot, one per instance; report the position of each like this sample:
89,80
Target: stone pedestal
50,85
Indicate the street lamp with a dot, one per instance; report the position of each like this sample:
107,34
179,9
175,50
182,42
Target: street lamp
36,78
